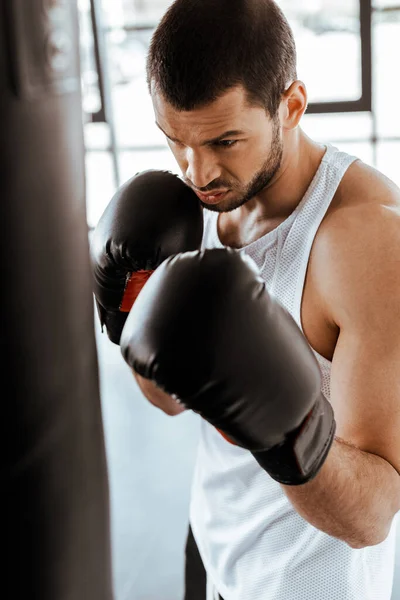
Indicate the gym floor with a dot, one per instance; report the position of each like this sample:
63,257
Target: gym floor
150,458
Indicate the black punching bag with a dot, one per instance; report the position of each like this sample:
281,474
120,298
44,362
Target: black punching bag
55,532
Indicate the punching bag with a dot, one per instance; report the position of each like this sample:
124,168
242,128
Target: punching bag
55,530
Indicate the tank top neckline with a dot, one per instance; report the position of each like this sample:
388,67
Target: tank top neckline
271,236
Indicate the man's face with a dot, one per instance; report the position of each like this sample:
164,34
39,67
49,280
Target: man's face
227,151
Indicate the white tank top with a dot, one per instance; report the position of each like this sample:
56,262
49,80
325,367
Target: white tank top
253,543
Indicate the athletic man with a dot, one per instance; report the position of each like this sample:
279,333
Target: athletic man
324,231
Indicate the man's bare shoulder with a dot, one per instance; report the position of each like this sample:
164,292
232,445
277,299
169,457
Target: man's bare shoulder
367,203
357,248
362,186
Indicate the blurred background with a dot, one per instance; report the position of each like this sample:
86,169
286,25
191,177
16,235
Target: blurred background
348,52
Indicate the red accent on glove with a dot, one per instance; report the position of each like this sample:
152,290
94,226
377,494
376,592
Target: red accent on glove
134,285
228,439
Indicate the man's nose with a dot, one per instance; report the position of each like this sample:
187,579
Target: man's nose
202,168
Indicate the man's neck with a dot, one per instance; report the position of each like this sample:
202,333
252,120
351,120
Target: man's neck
301,159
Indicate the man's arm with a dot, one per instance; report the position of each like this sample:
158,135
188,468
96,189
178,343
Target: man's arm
353,498
357,260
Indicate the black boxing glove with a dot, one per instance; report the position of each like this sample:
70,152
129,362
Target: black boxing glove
205,329
151,217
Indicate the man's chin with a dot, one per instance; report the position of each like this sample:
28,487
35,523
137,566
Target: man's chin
226,205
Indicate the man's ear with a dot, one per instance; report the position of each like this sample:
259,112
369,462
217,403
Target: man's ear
293,105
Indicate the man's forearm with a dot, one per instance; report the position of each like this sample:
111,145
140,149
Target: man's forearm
354,496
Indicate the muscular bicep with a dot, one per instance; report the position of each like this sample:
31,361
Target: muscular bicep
362,287
365,390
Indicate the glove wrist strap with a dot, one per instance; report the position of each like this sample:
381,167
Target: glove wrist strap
300,457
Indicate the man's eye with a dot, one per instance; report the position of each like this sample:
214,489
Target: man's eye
227,143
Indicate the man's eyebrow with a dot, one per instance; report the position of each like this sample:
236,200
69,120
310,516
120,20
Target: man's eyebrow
226,134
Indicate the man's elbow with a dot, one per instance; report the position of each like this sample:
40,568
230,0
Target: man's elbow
358,545
368,538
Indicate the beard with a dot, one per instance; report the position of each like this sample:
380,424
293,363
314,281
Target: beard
258,182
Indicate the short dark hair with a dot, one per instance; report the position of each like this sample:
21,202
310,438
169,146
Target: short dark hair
202,48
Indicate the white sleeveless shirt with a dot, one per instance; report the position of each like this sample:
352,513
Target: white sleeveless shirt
253,543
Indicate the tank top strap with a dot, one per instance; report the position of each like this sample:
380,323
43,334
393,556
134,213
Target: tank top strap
296,246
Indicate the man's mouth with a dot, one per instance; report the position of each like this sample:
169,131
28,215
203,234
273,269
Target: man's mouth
212,197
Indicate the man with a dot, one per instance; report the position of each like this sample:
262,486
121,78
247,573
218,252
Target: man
324,230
